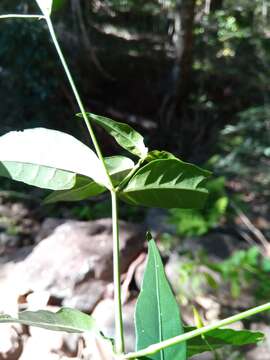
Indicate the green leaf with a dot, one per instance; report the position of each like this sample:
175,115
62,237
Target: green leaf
36,175
221,337
158,155
168,183
118,167
69,320
45,6
157,315
123,134
83,189
44,158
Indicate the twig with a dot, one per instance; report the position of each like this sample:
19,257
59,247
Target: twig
253,229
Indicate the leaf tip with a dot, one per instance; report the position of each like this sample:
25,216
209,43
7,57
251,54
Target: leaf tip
148,236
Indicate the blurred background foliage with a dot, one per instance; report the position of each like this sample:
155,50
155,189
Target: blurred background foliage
192,75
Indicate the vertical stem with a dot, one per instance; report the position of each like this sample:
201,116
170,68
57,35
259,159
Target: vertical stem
119,333
77,96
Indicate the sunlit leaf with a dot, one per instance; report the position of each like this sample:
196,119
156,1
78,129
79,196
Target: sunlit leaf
69,320
168,183
118,167
123,134
157,315
45,158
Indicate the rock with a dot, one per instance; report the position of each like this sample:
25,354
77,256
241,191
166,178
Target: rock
104,315
139,274
261,351
11,344
47,228
172,270
74,254
156,221
86,295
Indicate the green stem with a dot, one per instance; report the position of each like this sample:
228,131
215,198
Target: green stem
129,175
154,348
119,341
21,16
119,333
78,98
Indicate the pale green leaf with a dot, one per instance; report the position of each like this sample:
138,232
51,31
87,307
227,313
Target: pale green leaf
45,6
124,135
36,175
157,315
66,319
168,183
32,154
118,167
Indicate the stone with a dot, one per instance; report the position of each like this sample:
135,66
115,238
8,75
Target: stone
86,295
104,315
47,228
10,344
74,254
262,350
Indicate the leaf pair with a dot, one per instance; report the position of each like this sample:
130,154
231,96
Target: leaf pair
165,181
157,318
54,160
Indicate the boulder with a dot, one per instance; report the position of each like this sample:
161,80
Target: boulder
77,253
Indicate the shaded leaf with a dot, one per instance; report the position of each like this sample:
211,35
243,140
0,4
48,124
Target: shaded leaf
83,189
69,320
159,155
221,337
168,183
123,134
45,6
157,315
32,154
118,167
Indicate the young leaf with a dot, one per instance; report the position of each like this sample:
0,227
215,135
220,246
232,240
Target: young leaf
168,183
43,149
221,337
69,320
124,135
157,315
118,167
45,6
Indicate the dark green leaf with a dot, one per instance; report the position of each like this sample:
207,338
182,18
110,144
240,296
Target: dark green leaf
159,155
169,183
48,159
123,134
221,337
157,315
65,319
83,189
118,167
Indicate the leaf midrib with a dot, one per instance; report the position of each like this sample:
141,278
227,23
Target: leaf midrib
158,304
